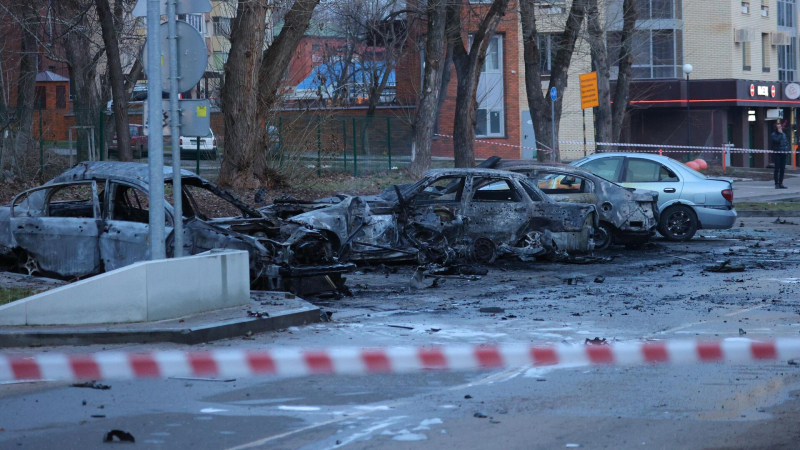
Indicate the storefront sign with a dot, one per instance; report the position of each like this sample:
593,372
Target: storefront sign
792,91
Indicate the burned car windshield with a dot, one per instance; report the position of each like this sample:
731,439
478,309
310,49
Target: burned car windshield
445,189
209,205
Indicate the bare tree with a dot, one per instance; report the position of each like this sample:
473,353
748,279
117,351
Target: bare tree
116,77
252,79
610,115
539,101
28,19
240,94
429,98
74,28
468,70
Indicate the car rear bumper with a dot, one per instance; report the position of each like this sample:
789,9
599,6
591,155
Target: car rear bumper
715,219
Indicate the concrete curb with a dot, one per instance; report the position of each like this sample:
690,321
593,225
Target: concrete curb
754,213
54,336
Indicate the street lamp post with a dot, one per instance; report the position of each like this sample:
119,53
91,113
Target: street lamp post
687,69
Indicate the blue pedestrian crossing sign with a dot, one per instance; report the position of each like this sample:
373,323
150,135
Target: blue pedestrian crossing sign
553,94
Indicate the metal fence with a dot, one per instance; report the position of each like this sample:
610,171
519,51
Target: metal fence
356,145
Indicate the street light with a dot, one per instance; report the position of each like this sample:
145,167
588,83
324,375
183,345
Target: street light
687,69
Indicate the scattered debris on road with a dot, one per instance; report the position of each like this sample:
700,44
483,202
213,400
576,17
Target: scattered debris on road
92,385
119,435
596,341
725,267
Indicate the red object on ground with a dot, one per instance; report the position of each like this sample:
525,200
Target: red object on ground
693,165
702,163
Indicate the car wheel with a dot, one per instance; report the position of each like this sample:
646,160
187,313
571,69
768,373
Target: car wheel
678,223
602,237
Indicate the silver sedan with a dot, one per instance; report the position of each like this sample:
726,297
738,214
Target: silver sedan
687,199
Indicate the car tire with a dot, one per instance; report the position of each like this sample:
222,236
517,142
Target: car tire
678,223
603,237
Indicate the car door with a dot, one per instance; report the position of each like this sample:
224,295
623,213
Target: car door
58,226
438,207
124,238
641,173
496,210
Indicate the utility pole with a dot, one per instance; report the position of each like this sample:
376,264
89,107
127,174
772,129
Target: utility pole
155,133
175,131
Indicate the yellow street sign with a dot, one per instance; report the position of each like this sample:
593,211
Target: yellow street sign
589,98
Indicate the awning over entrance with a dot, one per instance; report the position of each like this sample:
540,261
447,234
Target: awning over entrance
711,93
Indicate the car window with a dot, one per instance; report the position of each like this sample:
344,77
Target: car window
532,193
130,204
211,205
134,131
74,200
646,171
494,190
608,168
445,189
559,183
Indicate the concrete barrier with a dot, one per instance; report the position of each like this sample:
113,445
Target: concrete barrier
145,291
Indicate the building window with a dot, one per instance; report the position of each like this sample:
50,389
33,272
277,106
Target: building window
786,13
656,53
41,97
222,26
787,61
765,52
490,114
764,8
746,62
745,7
659,9
195,20
549,44
61,97
218,60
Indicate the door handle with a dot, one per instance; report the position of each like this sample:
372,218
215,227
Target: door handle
669,190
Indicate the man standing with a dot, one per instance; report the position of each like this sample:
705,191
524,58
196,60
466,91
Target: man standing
779,143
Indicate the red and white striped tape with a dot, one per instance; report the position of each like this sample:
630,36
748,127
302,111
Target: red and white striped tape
672,148
545,150
242,363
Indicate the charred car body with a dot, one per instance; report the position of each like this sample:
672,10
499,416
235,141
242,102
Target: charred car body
627,216
94,218
449,215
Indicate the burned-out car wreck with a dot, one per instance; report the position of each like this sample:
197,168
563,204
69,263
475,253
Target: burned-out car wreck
449,215
94,218
627,216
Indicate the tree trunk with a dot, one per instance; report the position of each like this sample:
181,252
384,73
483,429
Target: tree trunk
597,43
468,73
117,79
240,96
277,57
83,71
429,99
26,86
446,73
622,91
539,102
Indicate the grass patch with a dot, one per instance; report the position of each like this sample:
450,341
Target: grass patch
760,206
8,295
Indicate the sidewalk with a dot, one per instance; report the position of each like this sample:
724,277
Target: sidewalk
764,191
275,310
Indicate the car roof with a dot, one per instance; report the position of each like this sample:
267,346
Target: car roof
531,164
468,171
124,171
652,156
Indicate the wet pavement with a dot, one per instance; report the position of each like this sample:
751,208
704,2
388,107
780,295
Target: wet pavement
658,292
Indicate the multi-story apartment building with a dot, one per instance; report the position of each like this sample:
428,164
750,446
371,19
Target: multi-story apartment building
744,59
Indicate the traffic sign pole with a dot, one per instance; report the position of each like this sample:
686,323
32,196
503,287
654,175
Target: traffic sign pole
553,98
155,132
175,131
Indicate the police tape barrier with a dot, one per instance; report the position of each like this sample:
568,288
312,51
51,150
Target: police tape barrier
670,148
243,363
545,150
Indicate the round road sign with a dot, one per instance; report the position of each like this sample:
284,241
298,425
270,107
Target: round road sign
553,94
192,56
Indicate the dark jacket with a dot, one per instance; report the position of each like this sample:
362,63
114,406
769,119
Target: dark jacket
778,142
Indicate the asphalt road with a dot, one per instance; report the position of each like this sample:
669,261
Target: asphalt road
659,292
